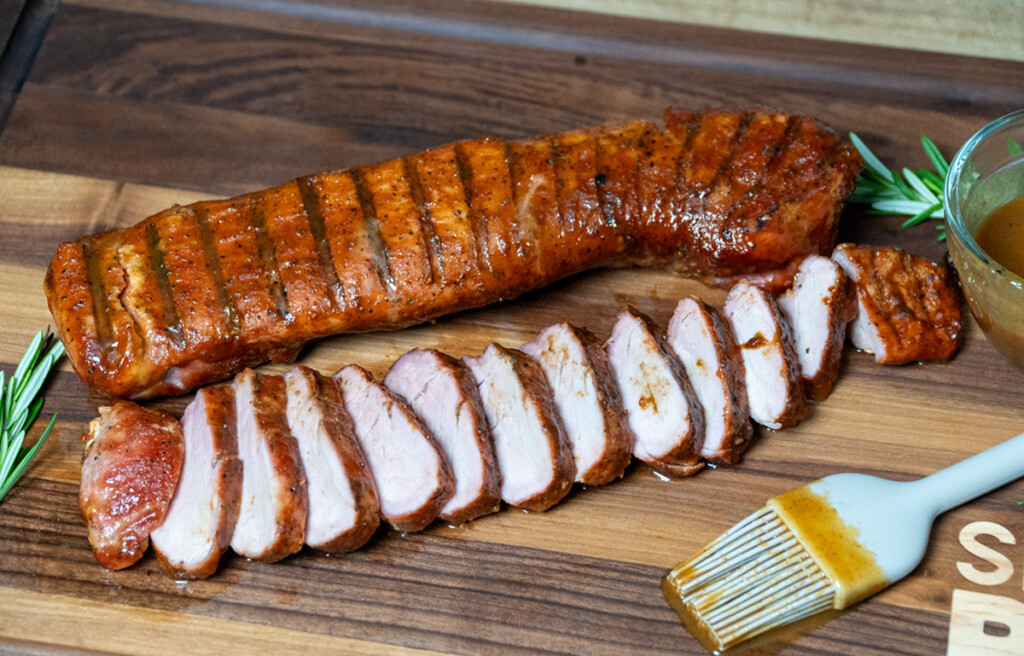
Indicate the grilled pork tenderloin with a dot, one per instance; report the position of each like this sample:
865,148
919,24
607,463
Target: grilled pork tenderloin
534,455
443,393
588,401
818,308
908,307
412,475
202,516
707,349
272,517
662,410
771,369
131,469
344,511
197,292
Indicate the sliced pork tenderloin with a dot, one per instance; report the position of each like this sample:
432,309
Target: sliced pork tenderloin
443,393
909,309
412,475
662,410
132,465
534,456
707,349
771,369
588,401
272,517
818,308
344,511
201,519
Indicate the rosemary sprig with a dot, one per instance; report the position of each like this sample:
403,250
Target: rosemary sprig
917,194
20,405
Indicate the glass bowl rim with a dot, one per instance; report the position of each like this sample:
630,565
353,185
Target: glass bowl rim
951,192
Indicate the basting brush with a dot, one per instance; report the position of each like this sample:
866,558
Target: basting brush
828,544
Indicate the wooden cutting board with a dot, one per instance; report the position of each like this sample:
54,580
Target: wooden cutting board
131,106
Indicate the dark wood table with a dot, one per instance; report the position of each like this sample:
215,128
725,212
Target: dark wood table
128,107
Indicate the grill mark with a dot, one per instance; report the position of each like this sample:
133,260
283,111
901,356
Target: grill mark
792,123
784,142
509,159
373,236
679,165
556,155
268,256
163,284
812,187
98,293
737,136
315,218
601,181
431,243
213,262
478,223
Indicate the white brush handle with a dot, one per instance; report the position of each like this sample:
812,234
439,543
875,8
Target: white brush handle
973,477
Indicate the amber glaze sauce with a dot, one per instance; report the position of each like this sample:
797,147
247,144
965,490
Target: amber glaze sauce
1001,235
833,544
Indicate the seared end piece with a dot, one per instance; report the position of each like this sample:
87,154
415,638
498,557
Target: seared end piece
588,401
661,407
771,368
272,518
201,520
908,307
344,511
818,308
131,468
707,349
443,393
534,455
413,477
761,187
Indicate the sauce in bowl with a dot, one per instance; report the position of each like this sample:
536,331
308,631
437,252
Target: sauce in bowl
1001,235
984,207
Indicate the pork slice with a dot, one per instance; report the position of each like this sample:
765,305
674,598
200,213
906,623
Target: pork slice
343,508
272,517
817,308
201,519
707,349
534,456
413,477
909,309
588,401
443,393
131,469
661,408
771,368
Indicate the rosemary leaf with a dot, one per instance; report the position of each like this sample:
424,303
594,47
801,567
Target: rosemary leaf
919,186
932,151
20,405
870,160
926,213
916,194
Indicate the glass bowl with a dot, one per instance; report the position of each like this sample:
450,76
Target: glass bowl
987,172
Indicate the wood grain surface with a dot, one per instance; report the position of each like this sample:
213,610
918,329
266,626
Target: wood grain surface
134,105
983,28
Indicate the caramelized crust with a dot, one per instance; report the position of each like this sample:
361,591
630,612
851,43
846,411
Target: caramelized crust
131,468
909,308
194,294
